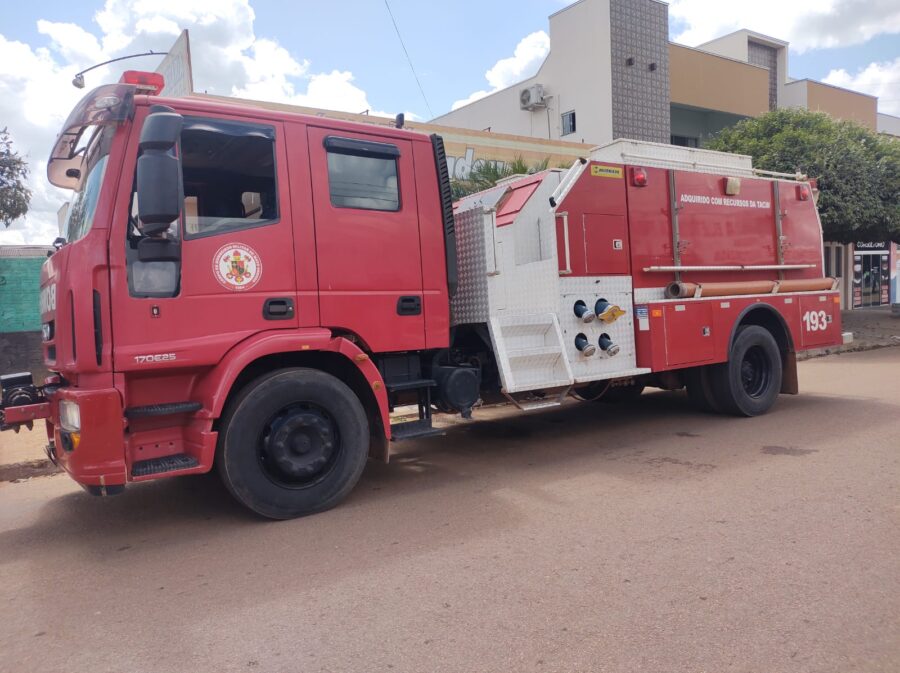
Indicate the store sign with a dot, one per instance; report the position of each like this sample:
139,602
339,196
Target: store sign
176,69
872,246
460,168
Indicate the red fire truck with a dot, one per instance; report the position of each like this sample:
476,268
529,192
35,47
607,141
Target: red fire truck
258,291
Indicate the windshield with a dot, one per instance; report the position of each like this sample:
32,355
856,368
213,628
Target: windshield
84,204
107,105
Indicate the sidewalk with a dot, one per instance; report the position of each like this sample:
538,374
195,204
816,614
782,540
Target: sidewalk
22,455
871,328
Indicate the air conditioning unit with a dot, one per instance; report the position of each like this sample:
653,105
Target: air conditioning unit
532,97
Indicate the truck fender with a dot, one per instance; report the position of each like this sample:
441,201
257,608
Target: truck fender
214,388
772,315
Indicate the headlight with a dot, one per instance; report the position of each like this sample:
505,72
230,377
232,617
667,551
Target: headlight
69,416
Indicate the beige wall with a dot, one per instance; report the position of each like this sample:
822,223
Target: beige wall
842,104
714,82
733,45
576,75
889,124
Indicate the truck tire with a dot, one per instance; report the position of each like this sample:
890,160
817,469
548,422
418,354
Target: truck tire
749,383
293,442
699,390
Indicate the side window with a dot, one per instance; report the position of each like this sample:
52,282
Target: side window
362,174
229,176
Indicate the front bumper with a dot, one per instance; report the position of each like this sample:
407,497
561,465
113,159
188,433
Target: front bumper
94,456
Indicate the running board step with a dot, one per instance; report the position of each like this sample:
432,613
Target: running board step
180,461
553,398
411,429
163,409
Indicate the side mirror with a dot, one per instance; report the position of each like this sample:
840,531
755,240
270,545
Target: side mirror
159,250
159,173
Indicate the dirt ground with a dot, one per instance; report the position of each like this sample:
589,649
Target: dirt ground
643,537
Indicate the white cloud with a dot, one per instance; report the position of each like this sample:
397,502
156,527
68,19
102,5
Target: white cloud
524,63
471,98
806,25
227,58
526,59
877,79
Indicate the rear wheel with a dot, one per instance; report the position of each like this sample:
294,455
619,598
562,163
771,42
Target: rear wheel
749,383
293,442
699,390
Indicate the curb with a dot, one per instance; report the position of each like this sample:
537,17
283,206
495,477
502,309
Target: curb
838,350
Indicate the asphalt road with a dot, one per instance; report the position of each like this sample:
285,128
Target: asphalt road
587,538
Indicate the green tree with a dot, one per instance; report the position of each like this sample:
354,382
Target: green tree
14,195
857,170
486,174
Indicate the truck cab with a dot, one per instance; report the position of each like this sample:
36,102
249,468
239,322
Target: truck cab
204,238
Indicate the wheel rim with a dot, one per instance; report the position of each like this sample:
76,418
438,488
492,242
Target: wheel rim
299,445
756,372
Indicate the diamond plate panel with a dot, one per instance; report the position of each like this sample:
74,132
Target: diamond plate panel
645,295
498,272
470,304
616,290
529,352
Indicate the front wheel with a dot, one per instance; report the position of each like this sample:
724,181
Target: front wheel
292,443
749,383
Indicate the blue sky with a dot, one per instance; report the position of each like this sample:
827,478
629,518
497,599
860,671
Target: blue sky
452,44
345,55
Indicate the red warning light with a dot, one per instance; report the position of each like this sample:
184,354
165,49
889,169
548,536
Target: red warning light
639,177
803,192
150,83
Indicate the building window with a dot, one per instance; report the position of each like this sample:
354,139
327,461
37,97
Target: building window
362,174
568,123
685,141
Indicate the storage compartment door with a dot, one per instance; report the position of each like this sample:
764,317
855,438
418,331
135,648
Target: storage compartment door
689,336
605,245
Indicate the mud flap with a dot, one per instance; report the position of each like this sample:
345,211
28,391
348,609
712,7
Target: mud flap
790,384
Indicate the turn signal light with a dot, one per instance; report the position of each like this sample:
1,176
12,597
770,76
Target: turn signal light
639,177
150,83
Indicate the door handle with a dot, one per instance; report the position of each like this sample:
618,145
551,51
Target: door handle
278,308
409,305
565,225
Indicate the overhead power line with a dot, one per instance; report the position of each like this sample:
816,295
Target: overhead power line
408,59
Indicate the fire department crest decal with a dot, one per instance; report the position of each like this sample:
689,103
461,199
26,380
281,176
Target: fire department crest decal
237,266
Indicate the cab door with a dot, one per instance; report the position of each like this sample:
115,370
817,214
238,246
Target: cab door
235,276
367,237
